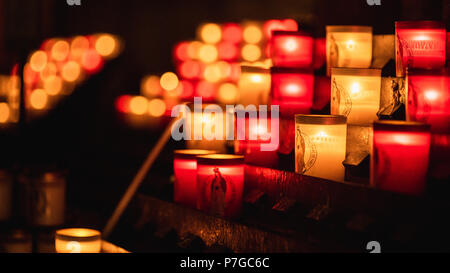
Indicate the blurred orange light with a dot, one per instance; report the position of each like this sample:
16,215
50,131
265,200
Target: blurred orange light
53,85
49,70
251,53
156,107
38,99
38,61
138,105
211,33
252,34
169,81
193,49
71,71
227,93
91,61
208,53
151,86
4,112
232,33
212,73
188,89
78,46
106,45
60,50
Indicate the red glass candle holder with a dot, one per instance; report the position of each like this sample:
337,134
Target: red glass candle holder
419,44
253,133
292,89
400,156
185,169
220,184
292,49
429,98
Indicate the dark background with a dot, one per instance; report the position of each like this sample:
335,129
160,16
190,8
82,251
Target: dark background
84,134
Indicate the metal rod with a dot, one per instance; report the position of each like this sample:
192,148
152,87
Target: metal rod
138,180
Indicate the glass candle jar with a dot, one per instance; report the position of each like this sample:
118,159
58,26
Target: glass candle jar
292,89
400,156
349,46
292,49
428,93
220,184
6,193
419,44
43,198
253,86
185,169
320,146
355,93
78,240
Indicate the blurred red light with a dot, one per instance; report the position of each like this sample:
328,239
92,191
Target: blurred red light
228,51
206,90
91,61
181,51
232,33
272,25
190,70
188,89
123,104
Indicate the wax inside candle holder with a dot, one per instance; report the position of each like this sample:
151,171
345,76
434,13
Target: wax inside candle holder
320,146
292,49
419,44
428,94
292,89
349,46
400,156
185,169
355,93
220,184
253,86
78,240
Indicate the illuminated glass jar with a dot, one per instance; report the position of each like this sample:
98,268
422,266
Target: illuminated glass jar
355,93
43,198
78,240
320,146
220,184
429,98
292,49
208,128
292,89
6,195
419,44
185,169
254,86
400,156
349,46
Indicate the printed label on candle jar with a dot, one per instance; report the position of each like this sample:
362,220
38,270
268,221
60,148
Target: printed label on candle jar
341,101
306,152
218,193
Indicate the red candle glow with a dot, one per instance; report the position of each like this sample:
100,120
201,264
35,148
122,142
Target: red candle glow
292,89
419,44
429,98
220,184
292,49
400,156
185,168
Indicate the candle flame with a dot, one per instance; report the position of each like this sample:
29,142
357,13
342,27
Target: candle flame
431,95
292,88
351,44
290,45
356,88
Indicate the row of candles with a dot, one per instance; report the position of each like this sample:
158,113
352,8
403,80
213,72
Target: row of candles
400,149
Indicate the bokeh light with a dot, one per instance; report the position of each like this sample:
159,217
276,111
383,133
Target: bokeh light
227,93
4,112
232,33
138,105
106,45
208,53
252,34
169,81
71,71
181,51
150,86
60,51
78,46
38,99
91,61
53,85
211,33
38,61
251,53
212,73
156,107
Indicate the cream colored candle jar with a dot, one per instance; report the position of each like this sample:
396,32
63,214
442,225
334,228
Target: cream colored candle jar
320,146
78,240
355,93
254,86
349,46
